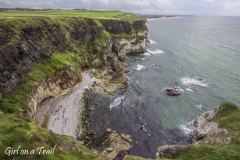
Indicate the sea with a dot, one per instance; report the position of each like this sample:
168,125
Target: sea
201,55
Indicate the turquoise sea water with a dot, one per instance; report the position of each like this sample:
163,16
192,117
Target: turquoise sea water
201,55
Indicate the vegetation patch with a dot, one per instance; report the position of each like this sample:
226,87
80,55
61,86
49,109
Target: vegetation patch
228,117
207,152
17,99
10,14
15,132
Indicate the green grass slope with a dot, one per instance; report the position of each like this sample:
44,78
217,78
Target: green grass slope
69,13
15,132
16,100
60,34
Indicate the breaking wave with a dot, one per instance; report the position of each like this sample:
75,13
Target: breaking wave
186,127
152,42
157,51
189,89
140,67
116,102
192,81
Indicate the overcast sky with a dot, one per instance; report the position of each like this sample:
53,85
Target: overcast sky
193,7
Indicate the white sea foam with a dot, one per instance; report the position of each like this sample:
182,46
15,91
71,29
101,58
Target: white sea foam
152,42
189,89
179,89
192,81
157,51
140,67
186,127
147,54
154,66
116,102
199,106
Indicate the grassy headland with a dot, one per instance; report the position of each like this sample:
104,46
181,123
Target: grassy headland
15,132
68,37
69,13
38,43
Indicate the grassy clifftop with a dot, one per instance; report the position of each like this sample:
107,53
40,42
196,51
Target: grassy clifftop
70,13
15,132
34,45
228,117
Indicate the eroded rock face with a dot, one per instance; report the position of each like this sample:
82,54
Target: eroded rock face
207,131
57,84
205,126
123,47
117,27
118,145
170,151
22,48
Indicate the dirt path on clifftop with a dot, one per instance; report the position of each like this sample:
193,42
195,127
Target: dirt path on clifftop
64,118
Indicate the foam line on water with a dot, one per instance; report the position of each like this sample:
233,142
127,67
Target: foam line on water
116,102
152,42
140,67
187,81
186,127
156,51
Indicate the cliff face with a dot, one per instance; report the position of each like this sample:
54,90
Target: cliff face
25,42
216,134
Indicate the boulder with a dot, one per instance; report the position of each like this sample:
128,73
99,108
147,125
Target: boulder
109,130
174,91
205,126
170,151
109,149
119,143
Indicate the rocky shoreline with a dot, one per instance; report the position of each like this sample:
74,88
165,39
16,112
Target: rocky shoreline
206,131
52,87
62,113
106,141
44,63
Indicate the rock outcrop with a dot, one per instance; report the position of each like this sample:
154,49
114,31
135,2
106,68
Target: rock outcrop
170,151
57,84
206,131
25,44
205,126
118,145
99,43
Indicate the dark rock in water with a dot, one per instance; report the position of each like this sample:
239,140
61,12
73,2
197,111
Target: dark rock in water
134,122
170,151
174,91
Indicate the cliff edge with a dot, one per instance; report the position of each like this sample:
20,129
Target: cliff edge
43,55
216,134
